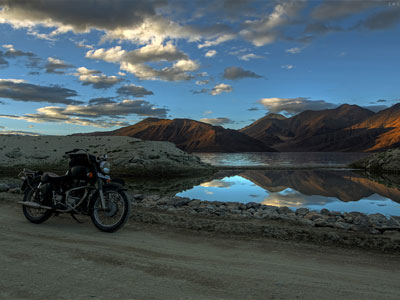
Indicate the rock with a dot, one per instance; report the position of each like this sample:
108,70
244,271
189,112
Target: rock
381,162
342,225
284,210
324,211
253,205
312,215
302,211
3,187
377,220
321,222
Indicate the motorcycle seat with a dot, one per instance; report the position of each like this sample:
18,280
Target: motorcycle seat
51,177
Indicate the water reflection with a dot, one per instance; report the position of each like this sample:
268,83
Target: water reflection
341,190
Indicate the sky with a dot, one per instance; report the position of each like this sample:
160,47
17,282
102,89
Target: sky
70,66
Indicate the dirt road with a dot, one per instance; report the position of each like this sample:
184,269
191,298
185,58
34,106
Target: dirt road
65,260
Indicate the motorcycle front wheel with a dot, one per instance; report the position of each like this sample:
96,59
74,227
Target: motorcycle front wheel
35,215
116,213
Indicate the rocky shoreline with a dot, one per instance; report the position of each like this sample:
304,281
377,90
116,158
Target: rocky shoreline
354,229
374,231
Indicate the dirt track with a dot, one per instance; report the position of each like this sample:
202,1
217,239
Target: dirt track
65,260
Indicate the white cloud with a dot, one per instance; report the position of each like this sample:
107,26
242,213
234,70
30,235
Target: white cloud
266,30
221,39
287,67
135,61
96,79
216,121
294,105
221,88
294,50
247,57
202,82
100,115
210,53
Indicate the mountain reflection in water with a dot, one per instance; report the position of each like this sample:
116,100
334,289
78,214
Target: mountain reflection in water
341,190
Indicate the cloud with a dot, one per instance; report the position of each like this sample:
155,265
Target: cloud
234,73
12,53
375,108
267,30
80,17
253,109
207,112
134,91
210,53
201,82
221,88
101,100
321,28
382,20
220,39
294,50
82,44
287,67
247,57
56,66
103,114
294,105
18,132
18,90
135,61
216,121
96,79
331,10
202,91
381,100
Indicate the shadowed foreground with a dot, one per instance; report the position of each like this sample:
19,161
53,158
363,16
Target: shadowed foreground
65,260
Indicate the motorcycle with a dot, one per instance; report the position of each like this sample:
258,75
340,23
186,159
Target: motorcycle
86,189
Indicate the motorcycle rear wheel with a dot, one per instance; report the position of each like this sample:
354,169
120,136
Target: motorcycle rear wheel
35,215
116,214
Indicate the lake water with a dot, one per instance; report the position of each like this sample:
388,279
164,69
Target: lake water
281,159
335,189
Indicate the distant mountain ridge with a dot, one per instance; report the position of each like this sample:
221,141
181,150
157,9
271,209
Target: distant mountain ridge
345,128
191,136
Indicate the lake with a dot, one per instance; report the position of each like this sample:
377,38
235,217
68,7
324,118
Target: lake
281,159
342,190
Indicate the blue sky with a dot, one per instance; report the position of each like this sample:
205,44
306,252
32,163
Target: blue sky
78,66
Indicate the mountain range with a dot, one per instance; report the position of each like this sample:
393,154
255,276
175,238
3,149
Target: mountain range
345,128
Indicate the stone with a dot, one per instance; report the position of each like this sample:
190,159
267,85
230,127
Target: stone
302,211
324,211
253,205
313,215
321,222
342,225
284,210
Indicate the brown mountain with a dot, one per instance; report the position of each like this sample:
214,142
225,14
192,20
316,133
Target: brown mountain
379,132
192,136
323,130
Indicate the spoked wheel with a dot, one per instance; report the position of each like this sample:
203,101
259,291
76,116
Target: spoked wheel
35,215
116,213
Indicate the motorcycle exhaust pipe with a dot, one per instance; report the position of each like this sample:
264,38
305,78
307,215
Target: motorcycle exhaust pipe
34,205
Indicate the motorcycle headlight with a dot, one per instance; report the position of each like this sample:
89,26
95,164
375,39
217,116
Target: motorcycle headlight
105,167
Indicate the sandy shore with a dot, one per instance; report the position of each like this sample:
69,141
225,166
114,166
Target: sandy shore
62,259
